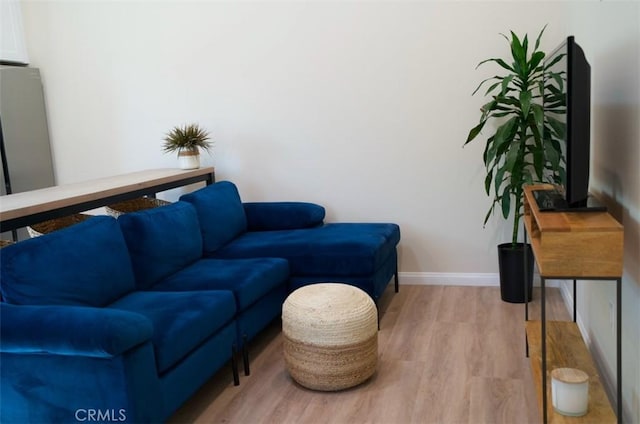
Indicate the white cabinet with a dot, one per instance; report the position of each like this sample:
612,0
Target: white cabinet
13,49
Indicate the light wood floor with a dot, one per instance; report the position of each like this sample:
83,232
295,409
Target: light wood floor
446,355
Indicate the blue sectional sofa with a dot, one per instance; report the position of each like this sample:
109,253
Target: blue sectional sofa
123,320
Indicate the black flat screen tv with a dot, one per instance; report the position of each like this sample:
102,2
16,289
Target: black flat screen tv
567,115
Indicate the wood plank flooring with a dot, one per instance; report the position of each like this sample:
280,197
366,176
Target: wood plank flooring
446,355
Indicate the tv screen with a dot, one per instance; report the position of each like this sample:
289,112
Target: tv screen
567,109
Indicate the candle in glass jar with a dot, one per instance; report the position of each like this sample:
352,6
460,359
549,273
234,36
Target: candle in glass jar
570,391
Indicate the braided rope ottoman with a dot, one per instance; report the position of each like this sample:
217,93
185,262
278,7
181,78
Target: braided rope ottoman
330,336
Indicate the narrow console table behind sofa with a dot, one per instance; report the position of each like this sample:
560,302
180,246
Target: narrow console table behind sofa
30,207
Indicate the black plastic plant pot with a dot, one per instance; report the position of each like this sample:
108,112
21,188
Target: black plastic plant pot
511,262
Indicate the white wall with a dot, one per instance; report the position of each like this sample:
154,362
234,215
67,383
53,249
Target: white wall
360,106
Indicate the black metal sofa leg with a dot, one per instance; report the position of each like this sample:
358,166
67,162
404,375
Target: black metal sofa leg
234,365
397,281
245,355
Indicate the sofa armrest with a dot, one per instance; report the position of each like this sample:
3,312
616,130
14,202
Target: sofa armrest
71,330
270,216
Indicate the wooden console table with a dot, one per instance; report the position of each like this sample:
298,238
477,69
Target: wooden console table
571,246
30,207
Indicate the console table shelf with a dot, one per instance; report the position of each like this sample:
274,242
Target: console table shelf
576,244
573,246
30,207
565,348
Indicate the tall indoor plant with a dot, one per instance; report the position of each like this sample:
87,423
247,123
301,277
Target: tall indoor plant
518,152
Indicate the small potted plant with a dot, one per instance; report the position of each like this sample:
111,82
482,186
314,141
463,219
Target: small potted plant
187,140
519,151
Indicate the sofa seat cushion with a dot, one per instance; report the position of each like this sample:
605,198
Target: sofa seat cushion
339,249
86,264
248,279
161,241
181,320
220,212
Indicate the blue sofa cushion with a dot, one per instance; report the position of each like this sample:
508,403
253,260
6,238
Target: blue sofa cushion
161,241
249,279
220,212
71,330
270,216
340,249
181,321
85,264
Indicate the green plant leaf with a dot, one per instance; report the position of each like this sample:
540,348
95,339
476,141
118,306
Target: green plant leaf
506,204
503,114
491,151
538,116
474,132
536,58
483,82
499,179
538,163
553,154
558,127
493,87
506,130
505,84
539,38
487,181
499,61
488,215
553,62
516,49
512,157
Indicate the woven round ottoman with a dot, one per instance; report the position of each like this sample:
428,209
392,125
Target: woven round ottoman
330,336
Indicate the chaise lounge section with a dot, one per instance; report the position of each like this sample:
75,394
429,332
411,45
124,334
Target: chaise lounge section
360,254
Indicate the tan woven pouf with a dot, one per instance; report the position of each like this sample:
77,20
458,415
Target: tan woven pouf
330,336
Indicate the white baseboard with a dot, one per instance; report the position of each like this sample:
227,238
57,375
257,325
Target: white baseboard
449,279
478,279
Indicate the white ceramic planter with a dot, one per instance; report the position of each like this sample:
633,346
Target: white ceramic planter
189,159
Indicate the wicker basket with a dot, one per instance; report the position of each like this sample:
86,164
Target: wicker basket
134,205
4,243
51,225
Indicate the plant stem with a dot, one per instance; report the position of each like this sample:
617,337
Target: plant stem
516,219
518,188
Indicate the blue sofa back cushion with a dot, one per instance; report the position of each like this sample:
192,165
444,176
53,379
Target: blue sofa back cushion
85,264
161,241
220,212
274,216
